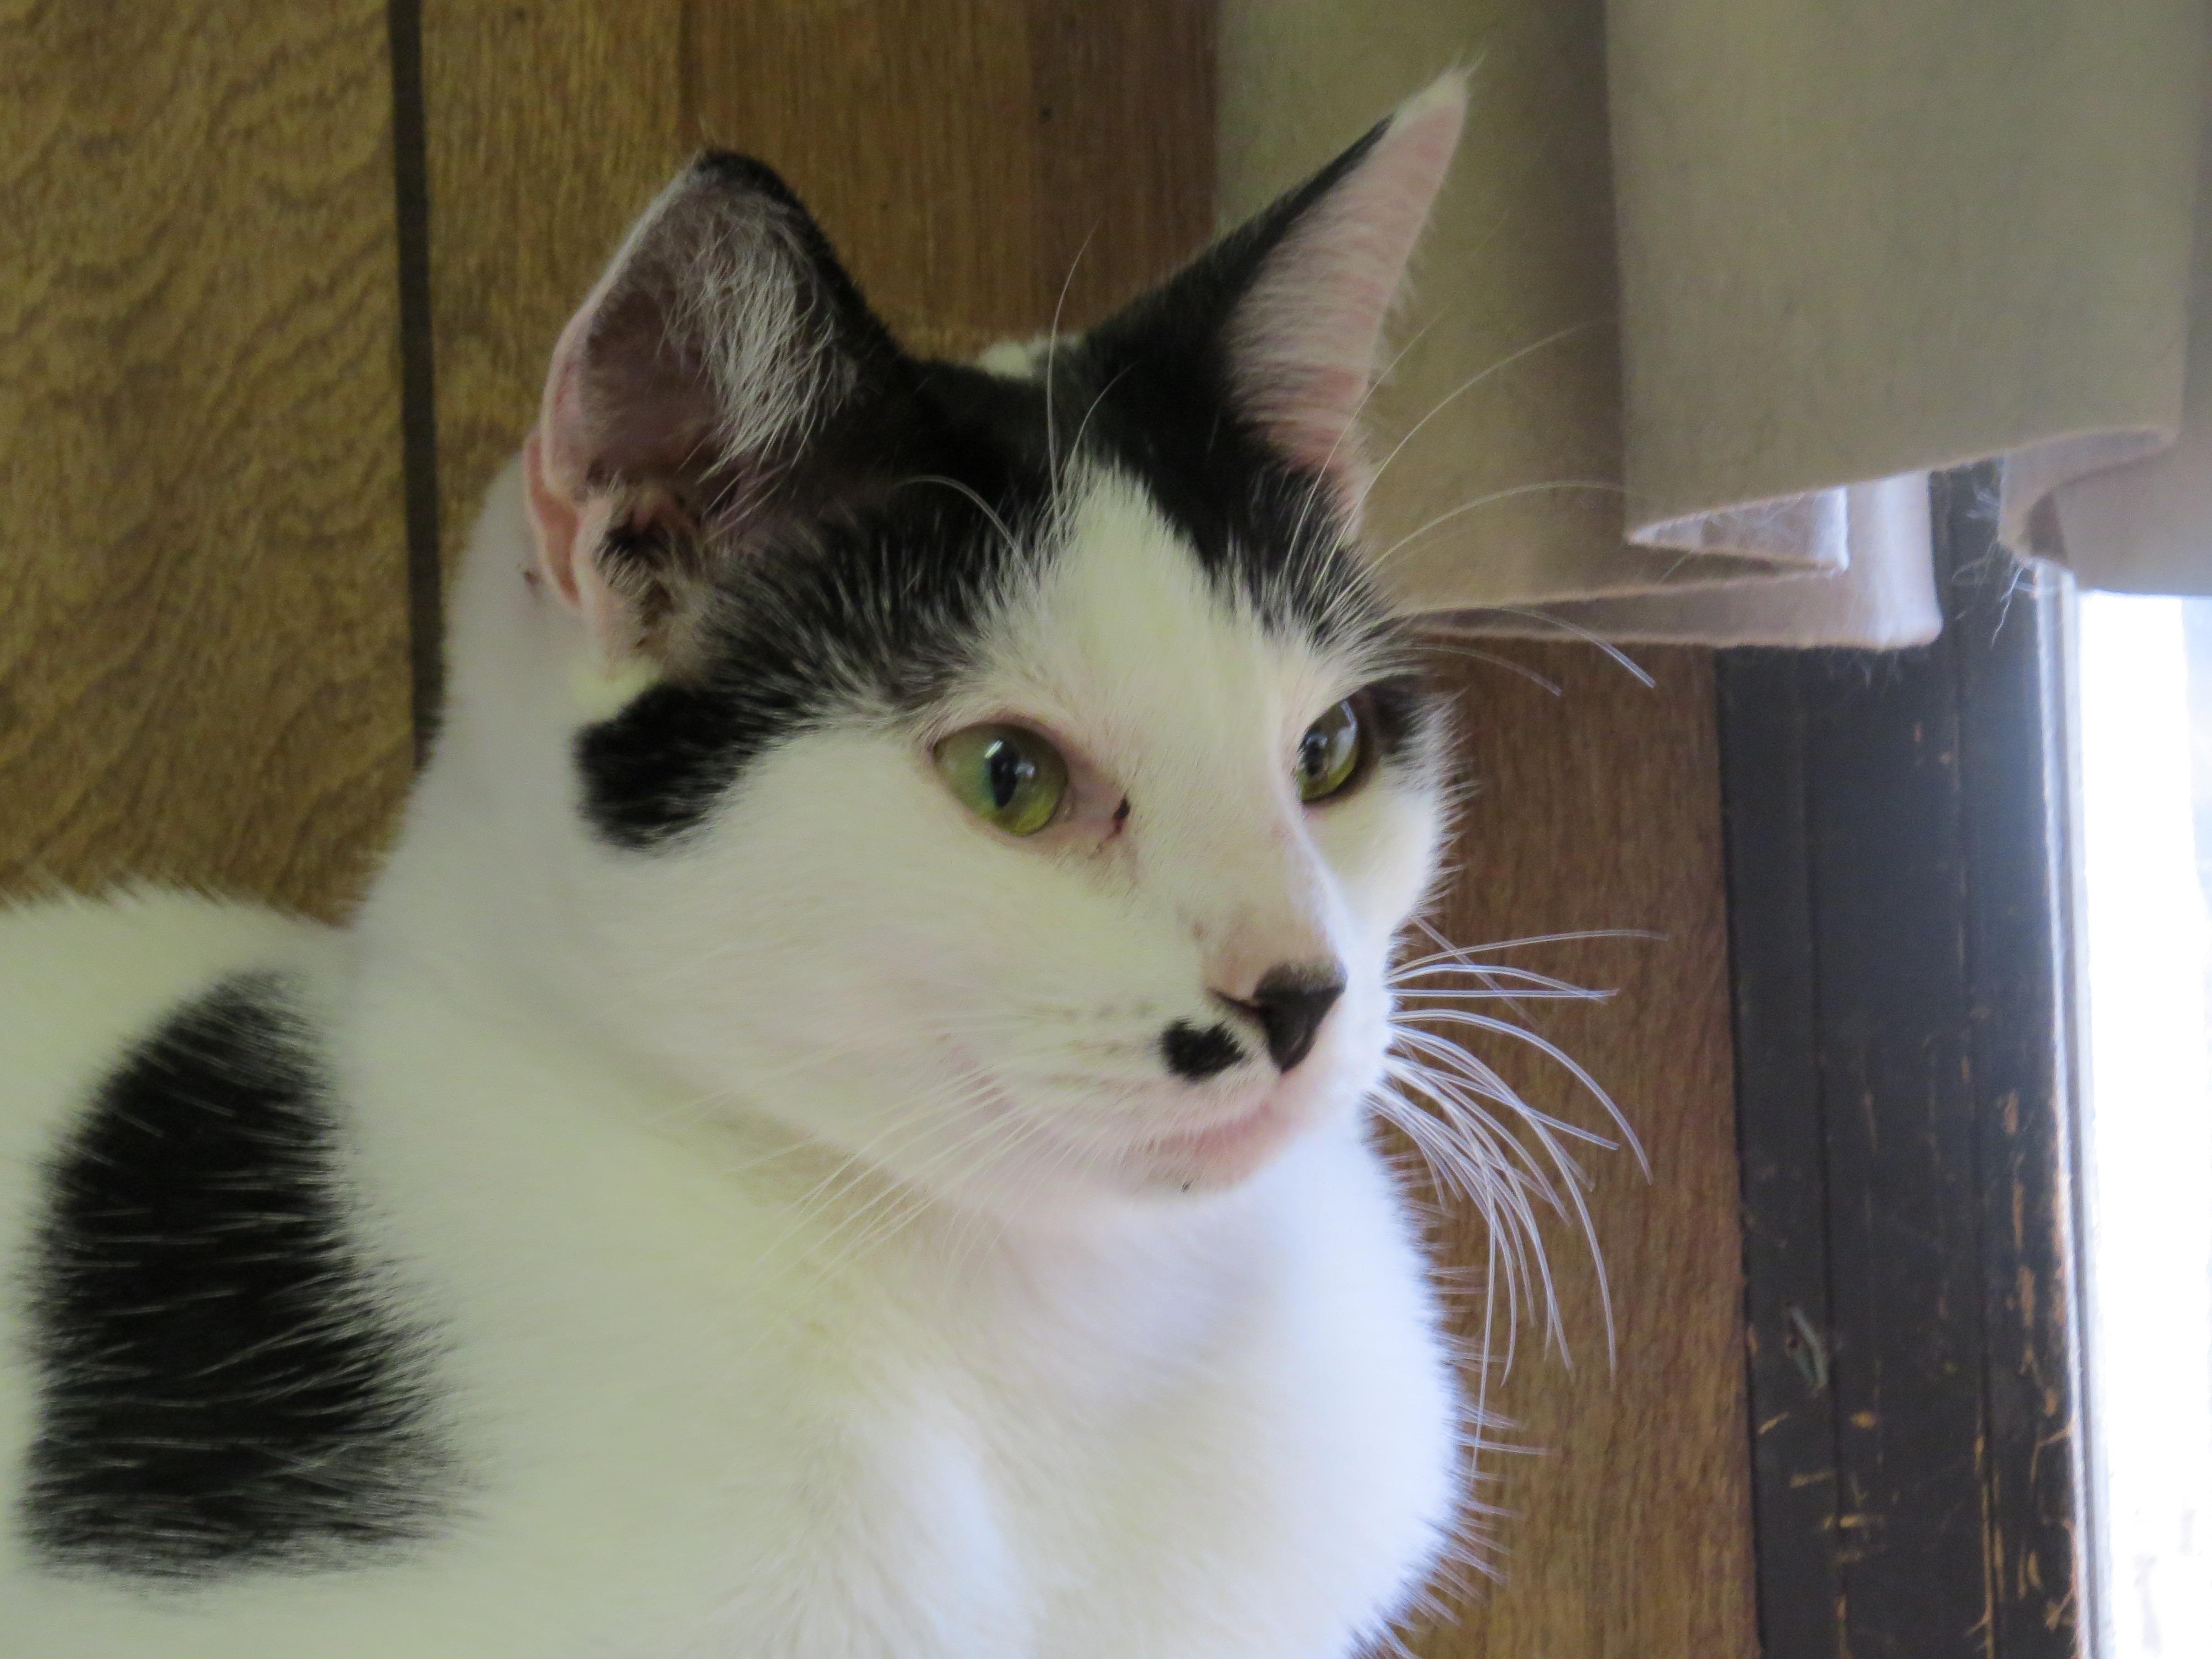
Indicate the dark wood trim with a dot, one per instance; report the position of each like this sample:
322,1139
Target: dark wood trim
1904,1126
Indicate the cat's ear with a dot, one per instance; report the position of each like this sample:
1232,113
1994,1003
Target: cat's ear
684,400
1290,306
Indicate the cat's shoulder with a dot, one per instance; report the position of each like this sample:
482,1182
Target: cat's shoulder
82,980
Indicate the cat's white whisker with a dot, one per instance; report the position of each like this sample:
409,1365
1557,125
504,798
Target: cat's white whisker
1602,486
1477,379
1613,652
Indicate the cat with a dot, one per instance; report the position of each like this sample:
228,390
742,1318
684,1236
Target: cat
840,1127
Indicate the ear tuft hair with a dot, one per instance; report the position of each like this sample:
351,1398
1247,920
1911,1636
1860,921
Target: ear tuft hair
1283,317
723,339
1303,339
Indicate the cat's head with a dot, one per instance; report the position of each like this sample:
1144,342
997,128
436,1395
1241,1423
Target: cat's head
1006,773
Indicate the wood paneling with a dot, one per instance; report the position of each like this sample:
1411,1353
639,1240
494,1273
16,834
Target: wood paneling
973,159
1628,1535
202,645
1895,872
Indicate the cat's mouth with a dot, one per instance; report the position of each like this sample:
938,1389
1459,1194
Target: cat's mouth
1233,1148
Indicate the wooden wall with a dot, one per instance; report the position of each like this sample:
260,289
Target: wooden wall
1595,805
275,295
204,628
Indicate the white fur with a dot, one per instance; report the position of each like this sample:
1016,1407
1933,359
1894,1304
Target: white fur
719,1389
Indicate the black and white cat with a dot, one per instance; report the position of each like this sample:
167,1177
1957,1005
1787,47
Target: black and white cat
839,1131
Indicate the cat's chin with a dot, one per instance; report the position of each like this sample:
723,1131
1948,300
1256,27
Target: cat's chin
1224,1153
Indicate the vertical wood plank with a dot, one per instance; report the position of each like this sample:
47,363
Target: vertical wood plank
1629,1533
203,591
1889,887
975,158
909,130
2004,646
1124,110
546,129
1785,1187
1894,848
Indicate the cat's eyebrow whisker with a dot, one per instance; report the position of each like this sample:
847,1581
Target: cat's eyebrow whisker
1436,635
1477,379
1612,651
1051,348
1084,425
1376,561
1013,547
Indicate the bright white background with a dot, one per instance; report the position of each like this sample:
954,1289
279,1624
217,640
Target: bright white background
2146,800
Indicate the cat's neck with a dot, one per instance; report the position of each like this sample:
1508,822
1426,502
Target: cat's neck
485,889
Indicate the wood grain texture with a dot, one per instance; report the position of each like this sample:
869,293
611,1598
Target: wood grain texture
1905,1115
976,159
202,589
1629,1535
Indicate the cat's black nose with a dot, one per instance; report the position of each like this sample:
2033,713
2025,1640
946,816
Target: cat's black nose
1290,1003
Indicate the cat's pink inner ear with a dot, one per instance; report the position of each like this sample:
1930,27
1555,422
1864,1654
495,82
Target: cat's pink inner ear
628,404
555,520
1304,337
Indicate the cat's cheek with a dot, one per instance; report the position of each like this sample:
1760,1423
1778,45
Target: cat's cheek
1382,850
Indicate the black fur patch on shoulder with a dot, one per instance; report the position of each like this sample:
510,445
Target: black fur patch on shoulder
222,1387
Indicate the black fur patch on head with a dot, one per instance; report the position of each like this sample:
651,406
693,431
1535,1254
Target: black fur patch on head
872,604
222,1387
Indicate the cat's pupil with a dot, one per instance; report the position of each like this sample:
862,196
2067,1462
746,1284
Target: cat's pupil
1313,753
1005,769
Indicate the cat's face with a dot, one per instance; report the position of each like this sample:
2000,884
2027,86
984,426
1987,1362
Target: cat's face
1017,781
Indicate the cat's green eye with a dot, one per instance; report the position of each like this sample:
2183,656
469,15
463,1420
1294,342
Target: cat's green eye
1007,776
1328,754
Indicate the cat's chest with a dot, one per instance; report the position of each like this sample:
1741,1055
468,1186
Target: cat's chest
1228,1442
1131,1450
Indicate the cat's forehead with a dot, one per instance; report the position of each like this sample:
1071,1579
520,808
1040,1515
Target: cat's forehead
1096,448
1129,624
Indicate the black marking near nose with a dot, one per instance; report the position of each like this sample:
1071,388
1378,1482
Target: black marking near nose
1290,1003
1200,1052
